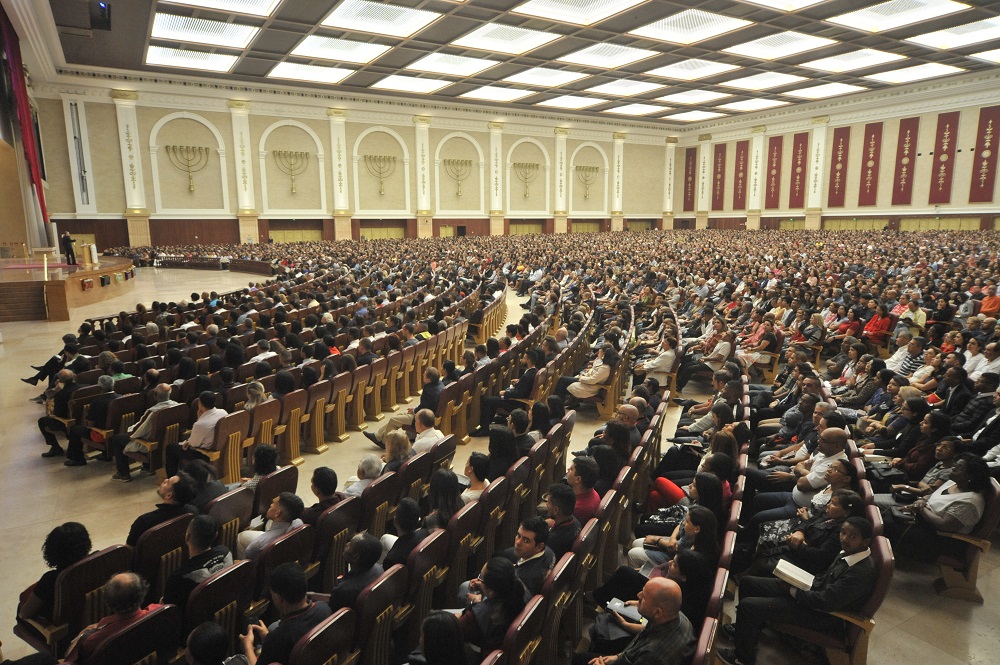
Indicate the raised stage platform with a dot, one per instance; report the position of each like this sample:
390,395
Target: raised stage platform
26,295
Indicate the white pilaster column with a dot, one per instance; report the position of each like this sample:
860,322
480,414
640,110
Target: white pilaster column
246,203
341,167
669,154
560,214
425,224
496,162
81,167
618,182
817,173
755,178
128,142
703,192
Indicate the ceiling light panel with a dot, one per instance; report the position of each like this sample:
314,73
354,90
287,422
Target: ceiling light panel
897,13
159,56
786,5
848,62
625,88
378,18
694,116
607,56
779,46
315,73
202,31
454,65
917,73
501,38
251,7
340,50
753,104
960,35
545,77
571,102
410,84
690,27
824,91
988,56
763,81
694,97
637,109
495,93
577,12
692,70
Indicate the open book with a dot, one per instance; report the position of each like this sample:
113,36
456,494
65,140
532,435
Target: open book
794,575
630,612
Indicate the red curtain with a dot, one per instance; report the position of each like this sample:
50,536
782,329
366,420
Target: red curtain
12,49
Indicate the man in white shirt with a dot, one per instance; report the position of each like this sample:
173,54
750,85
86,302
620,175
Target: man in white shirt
992,362
427,434
895,361
369,469
202,434
282,516
263,352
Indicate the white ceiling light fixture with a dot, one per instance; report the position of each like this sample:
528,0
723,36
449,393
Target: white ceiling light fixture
848,62
577,12
453,65
897,13
988,56
960,35
824,91
379,19
500,38
637,109
692,70
410,84
764,81
786,5
781,45
917,73
495,93
694,116
571,102
607,56
547,78
159,56
694,97
689,27
202,31
250,7
314,73
339,50
625,88
758,104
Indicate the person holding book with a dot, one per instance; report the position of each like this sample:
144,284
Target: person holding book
846,585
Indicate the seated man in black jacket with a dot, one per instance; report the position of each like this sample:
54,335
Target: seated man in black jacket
299,615
846,585
361,554
531,557
407,522
204,559
519,389
97,416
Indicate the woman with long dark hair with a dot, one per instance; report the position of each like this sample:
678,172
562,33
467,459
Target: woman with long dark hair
503,596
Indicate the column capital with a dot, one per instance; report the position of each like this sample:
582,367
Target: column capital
619,136
670,140
704,137
237,105
340,114
496,126
421,120
560,131
821,120
759,129
125,95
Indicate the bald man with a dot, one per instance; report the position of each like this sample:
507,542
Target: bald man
667,639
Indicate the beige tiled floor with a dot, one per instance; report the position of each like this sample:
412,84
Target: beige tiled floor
914,626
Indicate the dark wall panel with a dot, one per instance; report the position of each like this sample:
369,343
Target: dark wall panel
107,232
194,231
473,227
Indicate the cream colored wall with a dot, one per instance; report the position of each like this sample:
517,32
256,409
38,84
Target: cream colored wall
174,183
528,153
392,194
458,147
279,184
58,180
642,183
105,155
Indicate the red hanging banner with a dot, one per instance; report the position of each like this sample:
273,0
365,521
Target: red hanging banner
906,148
944,157
872,147
740,179
719,177
690,168
772,195
800,158
838,167
984,166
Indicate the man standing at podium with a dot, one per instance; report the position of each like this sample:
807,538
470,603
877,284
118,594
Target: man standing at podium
67,245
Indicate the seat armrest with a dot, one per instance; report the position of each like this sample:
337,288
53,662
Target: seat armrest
981,543
866,624
53,634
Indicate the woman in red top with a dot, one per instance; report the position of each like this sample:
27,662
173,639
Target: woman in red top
877,326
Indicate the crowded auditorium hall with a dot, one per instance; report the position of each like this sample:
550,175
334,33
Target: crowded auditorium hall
552,332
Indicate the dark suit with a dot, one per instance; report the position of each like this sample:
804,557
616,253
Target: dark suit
98,415
430,396
987,436
60,409
956,399
367,358
562,536
520,390
767,600
974,412
532,572
350,586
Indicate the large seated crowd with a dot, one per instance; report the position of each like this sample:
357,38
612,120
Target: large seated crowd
853,395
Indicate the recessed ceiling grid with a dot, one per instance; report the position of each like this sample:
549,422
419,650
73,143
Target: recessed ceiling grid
598,57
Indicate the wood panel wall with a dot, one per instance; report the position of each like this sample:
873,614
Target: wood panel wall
107,232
